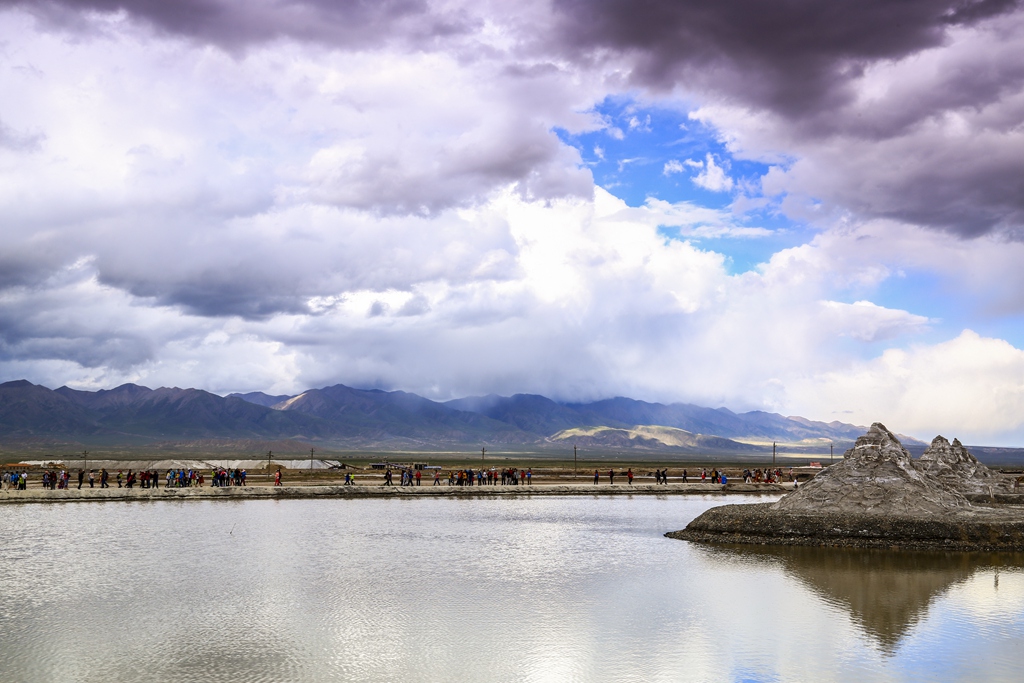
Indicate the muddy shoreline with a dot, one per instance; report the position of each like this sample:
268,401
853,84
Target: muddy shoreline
993,528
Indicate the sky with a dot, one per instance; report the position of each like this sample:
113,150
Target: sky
802,206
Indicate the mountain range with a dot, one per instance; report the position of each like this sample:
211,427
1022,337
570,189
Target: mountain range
345,417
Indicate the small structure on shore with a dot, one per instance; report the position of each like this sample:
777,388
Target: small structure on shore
878,496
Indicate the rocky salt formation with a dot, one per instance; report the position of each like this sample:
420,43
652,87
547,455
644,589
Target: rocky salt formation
878,496
957,469
876,476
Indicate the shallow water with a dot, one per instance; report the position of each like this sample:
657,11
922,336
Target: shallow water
531,589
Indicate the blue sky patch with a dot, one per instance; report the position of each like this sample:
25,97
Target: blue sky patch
659,152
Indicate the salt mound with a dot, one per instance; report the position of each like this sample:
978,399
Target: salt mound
955,467
877,476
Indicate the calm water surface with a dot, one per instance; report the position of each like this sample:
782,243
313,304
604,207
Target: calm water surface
533,589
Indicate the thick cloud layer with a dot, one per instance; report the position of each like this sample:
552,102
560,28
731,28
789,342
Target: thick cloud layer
235,24
246,187
795,57
272,196
907,110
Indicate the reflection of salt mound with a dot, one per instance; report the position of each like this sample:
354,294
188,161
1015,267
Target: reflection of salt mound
877,476
955,467
885,592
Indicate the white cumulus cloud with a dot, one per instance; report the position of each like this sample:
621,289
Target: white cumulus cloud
713,177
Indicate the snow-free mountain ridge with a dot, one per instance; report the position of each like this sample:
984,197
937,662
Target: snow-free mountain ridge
373,418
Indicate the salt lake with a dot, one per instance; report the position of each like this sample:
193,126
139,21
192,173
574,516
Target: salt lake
580,588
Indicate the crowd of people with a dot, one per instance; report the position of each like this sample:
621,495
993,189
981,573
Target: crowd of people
228,477
175,478
510,476
629,476
219,477
15,480
409,476
766,476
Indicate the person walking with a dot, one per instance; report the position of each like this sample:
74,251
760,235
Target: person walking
629,476
611,477
81,478
92,478
277,478
597,477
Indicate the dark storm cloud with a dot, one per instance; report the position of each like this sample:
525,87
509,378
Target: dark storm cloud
37,324
249,296
968,195
18,271
234,24
88,351
793,56
801,62
939,147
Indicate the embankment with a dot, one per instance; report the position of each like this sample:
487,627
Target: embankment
340,491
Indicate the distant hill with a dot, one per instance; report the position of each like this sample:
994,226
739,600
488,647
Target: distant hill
533,419
382,415
260,399
338,414
543,416
375,419
529,412
28,410
652,438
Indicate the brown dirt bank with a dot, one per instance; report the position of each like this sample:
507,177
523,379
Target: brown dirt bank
985,529
276,492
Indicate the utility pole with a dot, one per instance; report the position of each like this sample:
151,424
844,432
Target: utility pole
269,455
574,460
311,460
85,457
829,452
773,454
483,453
